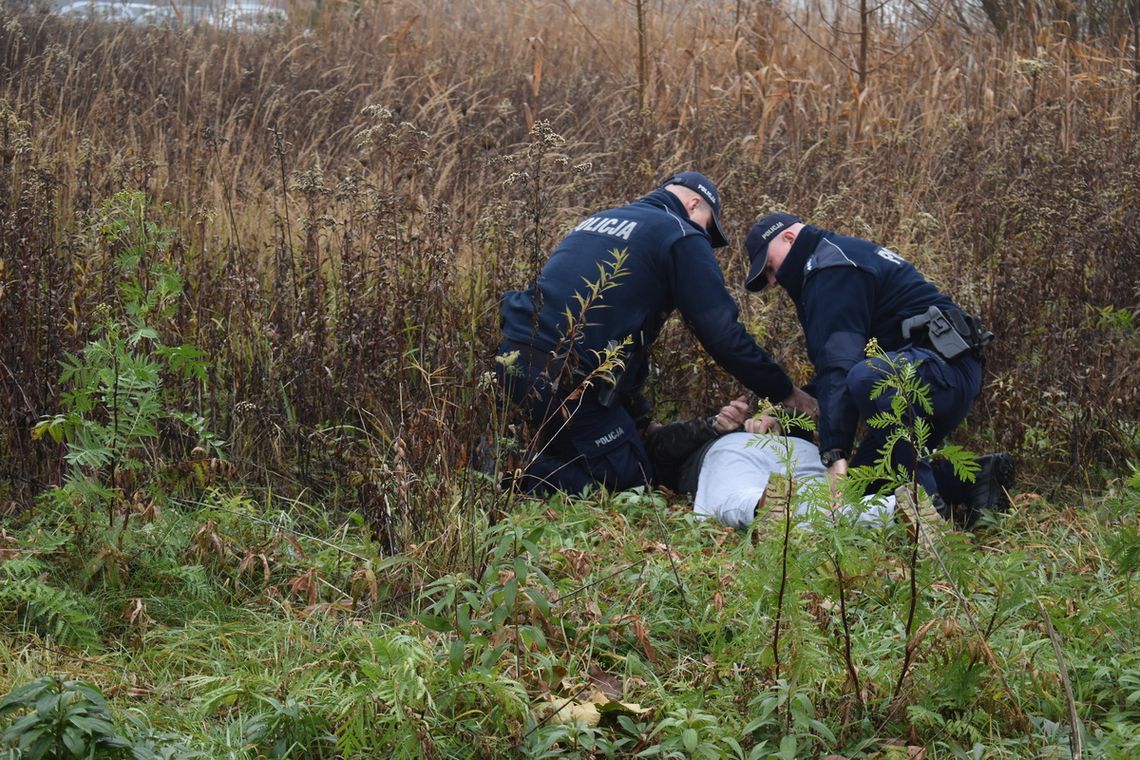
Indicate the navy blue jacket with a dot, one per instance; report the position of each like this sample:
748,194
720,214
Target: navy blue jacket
847,291
670,265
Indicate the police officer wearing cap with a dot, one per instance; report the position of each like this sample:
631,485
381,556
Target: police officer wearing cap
587,421
847,291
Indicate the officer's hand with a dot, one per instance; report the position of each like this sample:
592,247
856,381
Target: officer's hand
801,401
732,415
765,423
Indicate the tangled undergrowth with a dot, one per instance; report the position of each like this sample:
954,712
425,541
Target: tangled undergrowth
228,627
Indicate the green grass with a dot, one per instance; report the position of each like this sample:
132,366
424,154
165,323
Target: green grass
319,648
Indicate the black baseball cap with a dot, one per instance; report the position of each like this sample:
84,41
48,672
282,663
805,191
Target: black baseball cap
756,244
704,187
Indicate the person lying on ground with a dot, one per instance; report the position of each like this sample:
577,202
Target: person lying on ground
729,463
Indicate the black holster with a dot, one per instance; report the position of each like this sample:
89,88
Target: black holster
948,332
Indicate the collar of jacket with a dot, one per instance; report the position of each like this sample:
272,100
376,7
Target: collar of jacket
663,198
791,274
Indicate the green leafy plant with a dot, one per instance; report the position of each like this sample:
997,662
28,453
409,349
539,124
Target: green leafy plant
51,611
147,743
906,426
1123,543
284,728
118,400
691,733
56,718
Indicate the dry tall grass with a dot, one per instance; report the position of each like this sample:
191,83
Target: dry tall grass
351,195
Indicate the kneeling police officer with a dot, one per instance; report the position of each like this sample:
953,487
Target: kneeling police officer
847,291
657,256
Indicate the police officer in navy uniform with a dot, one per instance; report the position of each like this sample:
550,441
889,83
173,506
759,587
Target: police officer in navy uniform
847,291
645,259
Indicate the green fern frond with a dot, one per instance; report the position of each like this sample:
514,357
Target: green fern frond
60,614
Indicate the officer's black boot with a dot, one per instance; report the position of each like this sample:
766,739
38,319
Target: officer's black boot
990,490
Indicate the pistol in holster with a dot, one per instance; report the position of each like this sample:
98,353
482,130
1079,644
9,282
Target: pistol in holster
949,332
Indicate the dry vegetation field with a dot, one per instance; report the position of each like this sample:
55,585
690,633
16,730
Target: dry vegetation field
295,241
347,199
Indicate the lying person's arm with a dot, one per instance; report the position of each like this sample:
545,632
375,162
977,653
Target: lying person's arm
669,446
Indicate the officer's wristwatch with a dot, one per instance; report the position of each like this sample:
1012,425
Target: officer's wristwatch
831,456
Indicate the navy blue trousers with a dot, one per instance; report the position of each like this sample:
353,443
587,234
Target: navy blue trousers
954,386
577,442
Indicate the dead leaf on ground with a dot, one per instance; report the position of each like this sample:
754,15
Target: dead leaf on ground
564,712
610,711
896,749
606,683
597,710
657,546
578,561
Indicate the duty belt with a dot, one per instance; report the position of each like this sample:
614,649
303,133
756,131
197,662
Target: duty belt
949,332
535,358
